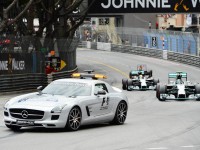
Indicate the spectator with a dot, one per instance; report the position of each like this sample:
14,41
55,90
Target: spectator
157,25
149,24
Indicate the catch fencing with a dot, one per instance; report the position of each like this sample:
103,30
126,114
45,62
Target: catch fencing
175,41
24,59
149,52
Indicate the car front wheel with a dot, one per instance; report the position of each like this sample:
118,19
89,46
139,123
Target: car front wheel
161,89
74,119
124,84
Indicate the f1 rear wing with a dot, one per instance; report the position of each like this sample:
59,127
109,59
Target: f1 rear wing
178,75
136,72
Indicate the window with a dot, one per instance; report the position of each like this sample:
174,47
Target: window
100,87
68,89
104,21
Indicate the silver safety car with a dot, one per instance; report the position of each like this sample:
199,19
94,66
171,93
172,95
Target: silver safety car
68,103
140,79
178,88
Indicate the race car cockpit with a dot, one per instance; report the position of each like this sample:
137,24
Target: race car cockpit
178,76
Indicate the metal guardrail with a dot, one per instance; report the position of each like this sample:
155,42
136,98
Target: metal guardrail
21,82
82,44
184,58
156,53
28,82
138,51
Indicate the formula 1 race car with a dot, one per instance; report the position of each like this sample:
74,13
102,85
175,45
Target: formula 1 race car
178,88
140,79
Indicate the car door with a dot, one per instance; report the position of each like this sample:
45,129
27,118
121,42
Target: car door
104,106
98,104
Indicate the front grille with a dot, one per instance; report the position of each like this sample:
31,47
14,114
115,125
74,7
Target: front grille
26,113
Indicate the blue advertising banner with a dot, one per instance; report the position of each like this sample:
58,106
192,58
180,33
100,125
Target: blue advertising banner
145,6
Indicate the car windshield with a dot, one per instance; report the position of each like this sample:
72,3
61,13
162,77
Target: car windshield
68,89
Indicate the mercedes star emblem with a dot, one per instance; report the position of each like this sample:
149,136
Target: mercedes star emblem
24,114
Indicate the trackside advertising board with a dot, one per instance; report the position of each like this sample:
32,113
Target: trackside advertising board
145,6
15,63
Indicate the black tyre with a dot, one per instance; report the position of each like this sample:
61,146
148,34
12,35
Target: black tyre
197,89
150,73
124,84
129,83
14,128
121,113
162,89
130,75
155,82
74,119
158,91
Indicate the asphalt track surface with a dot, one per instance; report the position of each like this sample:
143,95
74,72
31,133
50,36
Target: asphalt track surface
150,124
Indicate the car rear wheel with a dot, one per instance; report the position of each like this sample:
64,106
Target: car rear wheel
150,73
14,128
74,119
121,113
155,82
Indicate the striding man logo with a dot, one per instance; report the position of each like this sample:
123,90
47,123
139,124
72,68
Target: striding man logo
181,4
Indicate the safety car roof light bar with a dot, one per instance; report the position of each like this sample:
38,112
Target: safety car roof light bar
86,76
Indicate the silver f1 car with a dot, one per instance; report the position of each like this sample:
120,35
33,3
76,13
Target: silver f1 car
68,103
178,88
140,79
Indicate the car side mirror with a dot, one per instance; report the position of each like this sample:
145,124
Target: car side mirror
101,92
39,88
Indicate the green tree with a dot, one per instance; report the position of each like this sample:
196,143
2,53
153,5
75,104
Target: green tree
56,19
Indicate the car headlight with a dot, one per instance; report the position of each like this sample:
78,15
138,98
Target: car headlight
58,109
5,107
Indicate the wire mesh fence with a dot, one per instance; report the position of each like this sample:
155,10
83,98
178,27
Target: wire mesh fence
28,54
176,41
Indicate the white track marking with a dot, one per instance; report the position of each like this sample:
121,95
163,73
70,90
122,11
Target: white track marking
189,146
158,148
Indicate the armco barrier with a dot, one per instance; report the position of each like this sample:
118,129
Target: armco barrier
24,82
184,58
157,53
21,82
138,51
